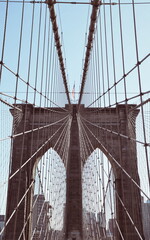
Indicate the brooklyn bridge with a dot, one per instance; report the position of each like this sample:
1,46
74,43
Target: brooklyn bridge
75,120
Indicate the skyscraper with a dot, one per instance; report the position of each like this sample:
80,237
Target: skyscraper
146,218
2,221
40,217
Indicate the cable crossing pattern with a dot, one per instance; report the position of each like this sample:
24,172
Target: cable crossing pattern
102,135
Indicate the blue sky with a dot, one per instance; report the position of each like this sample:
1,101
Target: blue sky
74,28
74,19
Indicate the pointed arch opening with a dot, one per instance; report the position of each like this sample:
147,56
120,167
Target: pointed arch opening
49,196
98,196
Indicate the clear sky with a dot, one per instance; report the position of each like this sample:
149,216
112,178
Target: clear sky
75,24
74,28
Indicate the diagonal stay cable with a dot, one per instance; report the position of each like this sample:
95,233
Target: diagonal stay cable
97,170
129,216
95,8
35,153
29,215
9,104
32,183
132,222
27,102
115,161
117,82
35,129
58,45
115,133
29,85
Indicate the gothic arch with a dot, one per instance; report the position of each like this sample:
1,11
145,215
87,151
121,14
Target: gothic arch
27,148
118,150
107,129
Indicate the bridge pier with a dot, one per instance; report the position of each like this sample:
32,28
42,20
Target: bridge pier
27,149
20,185
118,149
74,184
116,128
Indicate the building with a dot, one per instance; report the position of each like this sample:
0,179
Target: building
40,217
146,218
101,225
112,228
2,221
101,219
